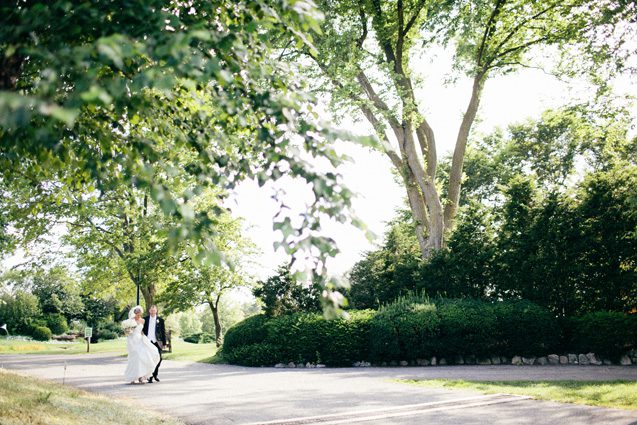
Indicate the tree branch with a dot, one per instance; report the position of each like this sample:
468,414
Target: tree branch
488,30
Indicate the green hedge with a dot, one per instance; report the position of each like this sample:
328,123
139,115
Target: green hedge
41,333
608,334
404,330
524,328
414,327
298,338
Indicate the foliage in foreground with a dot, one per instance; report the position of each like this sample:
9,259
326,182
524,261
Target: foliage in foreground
617,394
28,400
416,328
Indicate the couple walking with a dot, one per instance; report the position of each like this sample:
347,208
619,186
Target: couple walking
146,338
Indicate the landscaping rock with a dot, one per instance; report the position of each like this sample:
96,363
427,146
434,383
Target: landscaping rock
300,365
320,365
442,362
366,364
356,364
495,360
291,365
529,361
517,361
434,361
554,359
572,358
542,361
593,359
470,359
625,361
279,365
583,360
404,363
563,360
458,360
483,361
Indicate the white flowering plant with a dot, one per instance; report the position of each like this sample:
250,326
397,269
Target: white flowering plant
128,326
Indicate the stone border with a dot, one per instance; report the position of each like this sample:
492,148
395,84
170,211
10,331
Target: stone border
591,359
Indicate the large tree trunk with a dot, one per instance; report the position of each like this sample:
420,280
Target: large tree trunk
148,292
455,176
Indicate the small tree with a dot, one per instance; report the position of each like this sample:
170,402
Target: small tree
282,294
199,283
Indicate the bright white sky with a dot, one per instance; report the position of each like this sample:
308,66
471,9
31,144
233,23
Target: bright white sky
506,100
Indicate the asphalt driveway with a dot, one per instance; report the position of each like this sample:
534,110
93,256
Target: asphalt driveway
222,394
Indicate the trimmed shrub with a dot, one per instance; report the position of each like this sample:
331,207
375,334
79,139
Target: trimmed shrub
404,330
41,333
346,340
249,331
525,328
107,330
57,323
298,338
466,327
257,354
608,334
192,338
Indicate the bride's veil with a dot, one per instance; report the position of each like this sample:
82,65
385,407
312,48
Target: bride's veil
131,313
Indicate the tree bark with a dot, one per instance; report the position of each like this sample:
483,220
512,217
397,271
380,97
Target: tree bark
455,176
148,292
214,308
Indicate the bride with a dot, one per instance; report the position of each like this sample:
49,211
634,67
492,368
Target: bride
142,354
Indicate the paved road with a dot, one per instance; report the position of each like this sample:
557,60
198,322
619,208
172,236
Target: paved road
222,394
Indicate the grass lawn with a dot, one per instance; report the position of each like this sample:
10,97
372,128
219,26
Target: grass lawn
181,350
25,400
617,394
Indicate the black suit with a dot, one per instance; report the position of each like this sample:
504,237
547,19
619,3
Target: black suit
160,337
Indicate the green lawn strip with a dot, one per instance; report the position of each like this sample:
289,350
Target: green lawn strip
26,400
617,394
181,350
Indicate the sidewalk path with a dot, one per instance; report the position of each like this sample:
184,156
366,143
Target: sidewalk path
222,394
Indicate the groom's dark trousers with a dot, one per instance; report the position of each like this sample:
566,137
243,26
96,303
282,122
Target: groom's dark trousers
156,344
160,334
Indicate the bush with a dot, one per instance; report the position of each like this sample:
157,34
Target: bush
107,330
249,331
608,334
413,328
17,311
192,338
299,338
466,327
346,340
41,333
525,328
404,330
257,354
57,323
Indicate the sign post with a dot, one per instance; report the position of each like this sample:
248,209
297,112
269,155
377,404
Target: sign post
88,333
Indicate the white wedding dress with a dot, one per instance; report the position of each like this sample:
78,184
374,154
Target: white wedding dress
142,356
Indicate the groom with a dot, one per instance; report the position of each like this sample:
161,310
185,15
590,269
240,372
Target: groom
155,331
